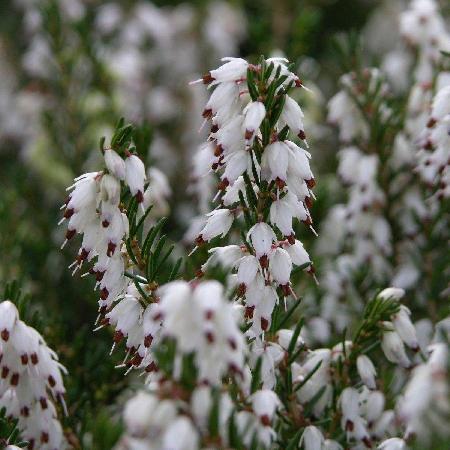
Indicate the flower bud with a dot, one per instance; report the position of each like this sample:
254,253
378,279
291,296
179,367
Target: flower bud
115,164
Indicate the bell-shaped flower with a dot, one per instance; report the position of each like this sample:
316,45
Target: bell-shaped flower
280,266
218,223
115,164
254,115
366,371
262,237
135,176
275,160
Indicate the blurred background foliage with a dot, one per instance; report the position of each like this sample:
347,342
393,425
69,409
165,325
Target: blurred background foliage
68,70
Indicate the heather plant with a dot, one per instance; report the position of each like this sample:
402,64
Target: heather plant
252,258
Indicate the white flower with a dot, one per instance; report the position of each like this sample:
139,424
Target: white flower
180,435
115,164
349,402
138,413
274,163
391,293
292,116
264,403
366,371
393,348
393,444
135,176
110,189
233,70
248,267
218,223
404,327
30,379
8,318
284,338
312,438
281,216
298,254
254,115
280,266
262,237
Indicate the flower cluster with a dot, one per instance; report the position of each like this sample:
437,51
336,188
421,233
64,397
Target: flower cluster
202,322
154,421
424,28
434,157
265,178
93,210
30,381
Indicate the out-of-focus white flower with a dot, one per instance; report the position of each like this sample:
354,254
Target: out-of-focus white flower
312,438
392,293
393,348
366,371
264,404
201,320
393,444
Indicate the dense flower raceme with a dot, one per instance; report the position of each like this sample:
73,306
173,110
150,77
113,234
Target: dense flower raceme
94,209
204,324
357,233
154,422
264,177
30,381
434,158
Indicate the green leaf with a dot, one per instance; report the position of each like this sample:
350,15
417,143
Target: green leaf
256,379
295,336
175,270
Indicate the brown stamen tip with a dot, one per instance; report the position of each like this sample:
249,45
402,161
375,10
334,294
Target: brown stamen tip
118,336
70,234
104,293
264,261
249,310
265,420
207,78
209,337
139,197
264,324
15,379
223,184
148,340
34,358
152,367
5,334
68,213
111,249
242,288
308,202
280,183
200,241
